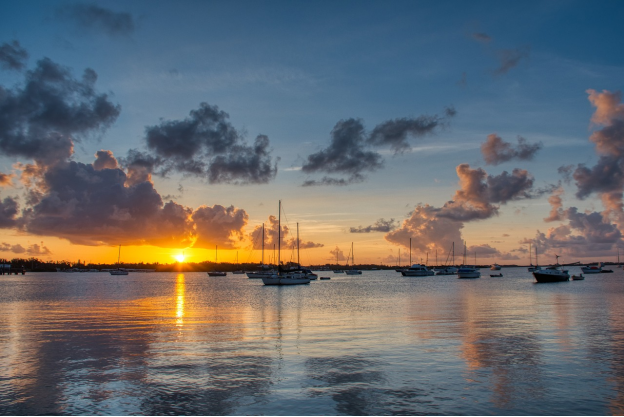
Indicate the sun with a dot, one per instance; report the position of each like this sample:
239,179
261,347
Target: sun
180,257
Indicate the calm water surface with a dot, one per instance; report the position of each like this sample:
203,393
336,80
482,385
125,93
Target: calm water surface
379,343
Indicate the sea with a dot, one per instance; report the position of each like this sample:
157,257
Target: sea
167,343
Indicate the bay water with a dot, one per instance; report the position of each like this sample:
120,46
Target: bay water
371,344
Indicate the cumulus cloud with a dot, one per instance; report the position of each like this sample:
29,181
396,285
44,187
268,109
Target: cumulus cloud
346,154
219,226
288,240
8,212
95,207
585,234
479,192
337,255
13,56
380,225
496,151
349,152
607,176
32,250
394,133
40,119
427,230
207,145
104,160
90,17
556,204
510,58
6,180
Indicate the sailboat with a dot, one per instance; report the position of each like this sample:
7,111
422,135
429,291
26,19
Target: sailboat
353,271
216,273
450,269
289,278
466,271
266,271
531,267
238,271
337,271
119,271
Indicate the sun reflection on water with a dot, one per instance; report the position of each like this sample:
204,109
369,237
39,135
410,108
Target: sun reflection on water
180,290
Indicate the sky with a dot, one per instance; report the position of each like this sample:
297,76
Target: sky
169,128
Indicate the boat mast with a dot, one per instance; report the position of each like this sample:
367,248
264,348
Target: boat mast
216,247
410,251
536,263
352,257
119,255
453,246
279,236
262,243
298,262
400,257
530,258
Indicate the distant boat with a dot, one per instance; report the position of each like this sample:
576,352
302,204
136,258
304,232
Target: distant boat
266,271
495,267
532,268
238,272
289,278
216,273
353,270
448,270
119,271
417,270
466,271
592,269
578,277
496,275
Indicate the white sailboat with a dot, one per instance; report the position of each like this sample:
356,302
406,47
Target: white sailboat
531,267
467,271
119,271
450,269
266,271
288,278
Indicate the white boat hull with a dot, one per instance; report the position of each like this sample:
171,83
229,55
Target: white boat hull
285,280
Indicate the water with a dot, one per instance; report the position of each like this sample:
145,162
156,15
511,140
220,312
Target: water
378,343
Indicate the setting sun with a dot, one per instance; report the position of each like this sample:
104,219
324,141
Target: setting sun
180,257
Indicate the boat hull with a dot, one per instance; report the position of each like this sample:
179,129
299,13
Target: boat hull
217,274
353,272
545,277
469,275
276,280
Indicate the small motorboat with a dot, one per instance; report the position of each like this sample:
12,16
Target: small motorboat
606,271
217,274
579,277
325,278
496,275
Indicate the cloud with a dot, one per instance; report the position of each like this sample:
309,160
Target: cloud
32,250
8,212
219,225
556,204
139,166
394,133
89,17
95,207
104,160
489,252
337,255
586,234
41,119
207,145
345,155
6,180
13,56
271,237
427,230
349,152
380,225
481,37
479,192
510,58
6,247
496,151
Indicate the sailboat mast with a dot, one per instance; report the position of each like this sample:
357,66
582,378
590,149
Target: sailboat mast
298,262
453,246
119,255
410,251
399,257
279,235
216,248
262,243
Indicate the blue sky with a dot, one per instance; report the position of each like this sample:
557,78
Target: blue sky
293,70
